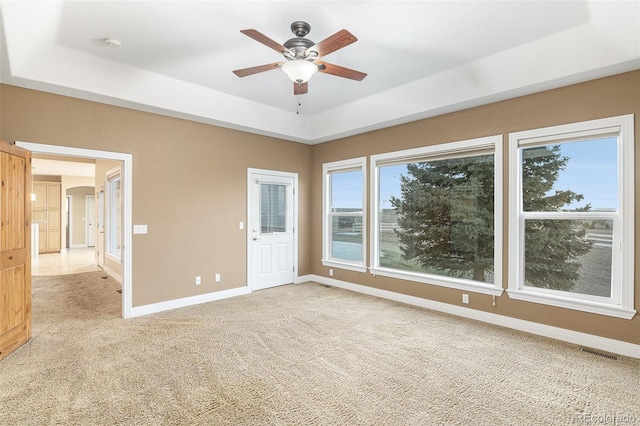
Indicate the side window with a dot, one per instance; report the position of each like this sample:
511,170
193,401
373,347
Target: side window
113,228
572,216
344,217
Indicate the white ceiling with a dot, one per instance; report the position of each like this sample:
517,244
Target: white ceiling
423,58
42,166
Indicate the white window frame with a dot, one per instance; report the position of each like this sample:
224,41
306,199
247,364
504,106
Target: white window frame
471,147
620,304
328,169
112,213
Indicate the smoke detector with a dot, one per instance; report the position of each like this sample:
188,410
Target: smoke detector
112,43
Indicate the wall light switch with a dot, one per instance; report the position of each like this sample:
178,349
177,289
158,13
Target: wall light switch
241,225
139,229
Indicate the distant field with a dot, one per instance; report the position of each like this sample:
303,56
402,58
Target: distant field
595,272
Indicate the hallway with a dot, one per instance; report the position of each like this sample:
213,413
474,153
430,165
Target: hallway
73,261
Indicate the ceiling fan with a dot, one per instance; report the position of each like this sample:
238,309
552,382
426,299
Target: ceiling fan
302,56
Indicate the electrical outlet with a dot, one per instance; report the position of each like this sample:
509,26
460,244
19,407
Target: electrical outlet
198,280
465,298
217,277
330,272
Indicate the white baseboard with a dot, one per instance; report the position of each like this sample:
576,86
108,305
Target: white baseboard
138,311
153,308
112,273
304,279
575,337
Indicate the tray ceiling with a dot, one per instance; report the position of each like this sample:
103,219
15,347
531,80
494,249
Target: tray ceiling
423,58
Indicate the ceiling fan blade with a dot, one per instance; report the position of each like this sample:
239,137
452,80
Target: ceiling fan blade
258,36
339,71
300,88
332,43
255,70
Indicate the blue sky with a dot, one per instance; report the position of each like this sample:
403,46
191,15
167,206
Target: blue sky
346,190
591,171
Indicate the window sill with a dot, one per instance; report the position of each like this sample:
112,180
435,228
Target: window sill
569,303
344,265
457,283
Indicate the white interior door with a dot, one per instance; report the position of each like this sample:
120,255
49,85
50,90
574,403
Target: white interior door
100,218
272,210
90,221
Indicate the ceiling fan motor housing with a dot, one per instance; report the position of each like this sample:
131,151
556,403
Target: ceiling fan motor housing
299,44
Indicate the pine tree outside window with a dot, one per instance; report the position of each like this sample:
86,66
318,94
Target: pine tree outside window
571,225
437,215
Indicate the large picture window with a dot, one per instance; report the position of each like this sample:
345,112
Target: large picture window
436,215
572,216
344,218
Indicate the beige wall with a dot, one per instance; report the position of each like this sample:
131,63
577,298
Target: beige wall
79,230
78,225
607,97
189,185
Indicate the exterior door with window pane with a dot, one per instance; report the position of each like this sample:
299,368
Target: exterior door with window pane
272,232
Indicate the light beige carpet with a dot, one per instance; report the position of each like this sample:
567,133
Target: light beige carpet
294,355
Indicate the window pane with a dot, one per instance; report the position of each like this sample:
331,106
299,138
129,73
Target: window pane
346,191
115,216
574,176
344,215
346,238
437,217
273,208
569,255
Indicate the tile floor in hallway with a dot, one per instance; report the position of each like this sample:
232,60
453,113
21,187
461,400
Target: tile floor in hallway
71,261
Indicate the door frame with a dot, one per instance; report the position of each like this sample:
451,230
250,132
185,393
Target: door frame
250,180
127,197
89,219
69,223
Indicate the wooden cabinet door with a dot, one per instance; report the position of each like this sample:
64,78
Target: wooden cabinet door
47,213
15,246
38,209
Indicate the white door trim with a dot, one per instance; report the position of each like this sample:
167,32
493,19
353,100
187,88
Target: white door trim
250,180
127,197
89,219
68,216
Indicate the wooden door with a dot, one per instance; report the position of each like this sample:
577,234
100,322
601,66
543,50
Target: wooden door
15,245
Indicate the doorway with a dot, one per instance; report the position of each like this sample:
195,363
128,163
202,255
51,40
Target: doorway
90,220
272,214
127,172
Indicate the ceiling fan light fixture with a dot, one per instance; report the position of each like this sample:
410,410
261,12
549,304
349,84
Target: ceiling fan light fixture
299,70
